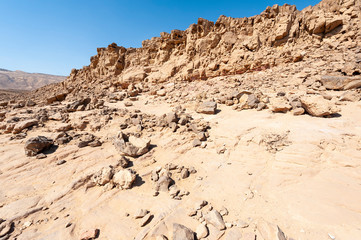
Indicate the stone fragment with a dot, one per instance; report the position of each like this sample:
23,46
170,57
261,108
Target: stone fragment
5,228
215,218
298,111
103,176
335,82
145,220
332,23
196,143
24,124
270,231
36,145
317,106
180,232
63,127
163,183
90,234
141,213
201,231
353,85
200,204
207,108
280,104
184,173
130,145
124,178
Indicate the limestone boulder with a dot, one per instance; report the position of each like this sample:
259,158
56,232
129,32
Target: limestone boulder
317,106
130,145
181,232
37,144
124,178
209,107
24,124
280,104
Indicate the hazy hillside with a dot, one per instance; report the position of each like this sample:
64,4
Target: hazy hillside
25,81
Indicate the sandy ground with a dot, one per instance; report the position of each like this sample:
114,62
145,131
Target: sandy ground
301,173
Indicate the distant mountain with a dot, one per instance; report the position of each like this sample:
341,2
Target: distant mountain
20,80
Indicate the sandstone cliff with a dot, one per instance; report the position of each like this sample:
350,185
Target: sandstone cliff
280,34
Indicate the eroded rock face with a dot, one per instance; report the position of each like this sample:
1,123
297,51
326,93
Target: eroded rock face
36,145
130,145
317,106
206,49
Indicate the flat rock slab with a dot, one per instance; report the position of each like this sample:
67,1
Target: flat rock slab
19,208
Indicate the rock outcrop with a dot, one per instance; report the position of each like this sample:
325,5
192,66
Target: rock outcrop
280,34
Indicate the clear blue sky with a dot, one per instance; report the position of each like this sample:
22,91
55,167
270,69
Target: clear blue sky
54,36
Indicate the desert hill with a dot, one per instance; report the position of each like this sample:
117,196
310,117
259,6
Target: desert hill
246,128
19,80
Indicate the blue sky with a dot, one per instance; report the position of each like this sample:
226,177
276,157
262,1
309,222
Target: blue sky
54,36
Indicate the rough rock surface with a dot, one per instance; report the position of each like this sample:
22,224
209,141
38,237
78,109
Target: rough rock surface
36,145
130,145
317,106
181,232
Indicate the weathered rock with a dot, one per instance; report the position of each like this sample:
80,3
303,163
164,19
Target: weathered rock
350,96
171,118
173,191
30,103
124,178
352,85
201,231
63,127
298,111
62,138
5,228
58,97
270,231
317,106
41,156
332,23
36,145
200,204
88,139
78,105
184,173
180,232
335,82
145,220
141,213
90,234
207,108
130,145
196,142
24,124
57,117
215,218
234,234
163,183
280,104
161,92
123,162
103,176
